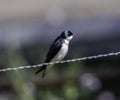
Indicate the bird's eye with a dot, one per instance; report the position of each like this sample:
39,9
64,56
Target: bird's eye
70,33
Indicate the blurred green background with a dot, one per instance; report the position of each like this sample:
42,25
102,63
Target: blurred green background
27,29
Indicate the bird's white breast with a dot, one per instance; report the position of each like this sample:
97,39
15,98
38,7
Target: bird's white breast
63,51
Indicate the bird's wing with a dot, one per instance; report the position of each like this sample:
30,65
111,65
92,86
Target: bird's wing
55,47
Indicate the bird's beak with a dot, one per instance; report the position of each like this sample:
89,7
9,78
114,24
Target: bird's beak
74,34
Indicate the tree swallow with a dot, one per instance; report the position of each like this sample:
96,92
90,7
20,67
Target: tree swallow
58,50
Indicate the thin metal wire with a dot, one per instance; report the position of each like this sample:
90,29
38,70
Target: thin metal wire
63,61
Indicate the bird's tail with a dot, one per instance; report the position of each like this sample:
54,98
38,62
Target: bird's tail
43,68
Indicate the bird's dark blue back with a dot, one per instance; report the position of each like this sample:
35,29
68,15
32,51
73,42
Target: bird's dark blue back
55,47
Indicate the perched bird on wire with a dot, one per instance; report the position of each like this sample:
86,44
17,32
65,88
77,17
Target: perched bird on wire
58,50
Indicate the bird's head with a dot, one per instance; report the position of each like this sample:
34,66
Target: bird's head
67,35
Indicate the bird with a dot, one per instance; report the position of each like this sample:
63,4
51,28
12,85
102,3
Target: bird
57,51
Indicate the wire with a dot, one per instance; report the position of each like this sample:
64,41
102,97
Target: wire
63,61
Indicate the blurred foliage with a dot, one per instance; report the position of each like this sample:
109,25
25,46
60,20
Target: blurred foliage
18,79
69,81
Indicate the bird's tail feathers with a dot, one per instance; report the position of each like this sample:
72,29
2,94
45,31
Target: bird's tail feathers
43,68
43,73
